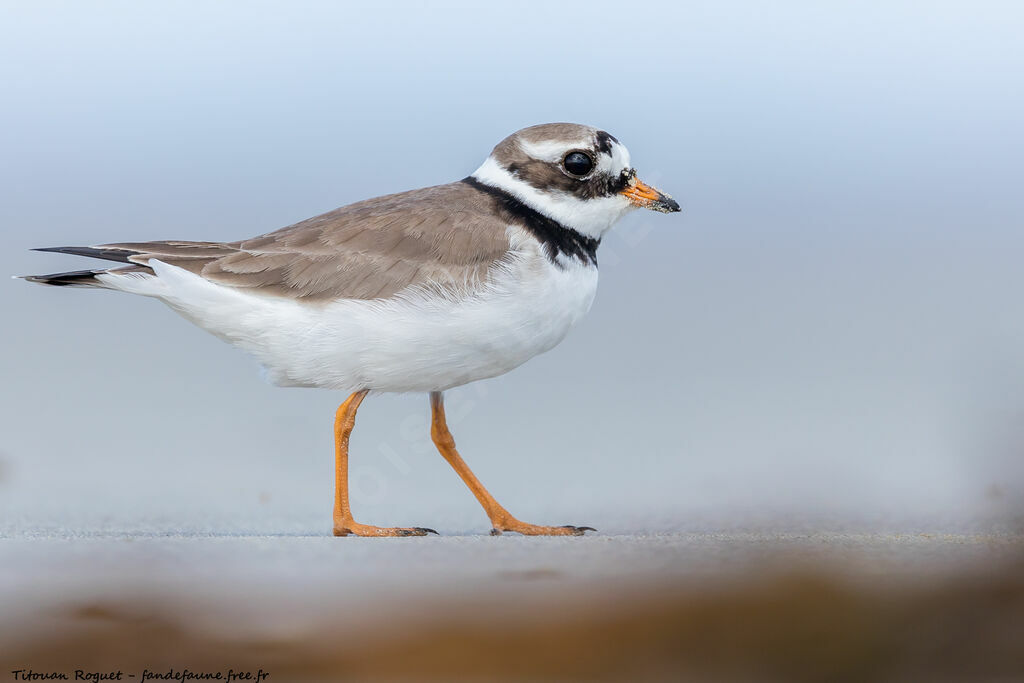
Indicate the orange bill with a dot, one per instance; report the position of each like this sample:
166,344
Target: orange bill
647,197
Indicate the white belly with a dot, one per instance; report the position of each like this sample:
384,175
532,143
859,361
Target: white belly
419,342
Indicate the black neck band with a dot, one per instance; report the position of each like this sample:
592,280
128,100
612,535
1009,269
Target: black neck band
556,238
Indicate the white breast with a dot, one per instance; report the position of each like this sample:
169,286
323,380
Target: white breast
416,341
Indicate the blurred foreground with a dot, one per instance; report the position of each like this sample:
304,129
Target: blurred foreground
758,606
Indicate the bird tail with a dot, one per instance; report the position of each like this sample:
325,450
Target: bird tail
74,278
82,278
91,278
189,255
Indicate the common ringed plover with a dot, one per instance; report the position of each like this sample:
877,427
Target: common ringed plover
418,291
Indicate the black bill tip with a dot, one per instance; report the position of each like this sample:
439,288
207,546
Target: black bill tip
667,204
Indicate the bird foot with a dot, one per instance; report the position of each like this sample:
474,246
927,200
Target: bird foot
537,530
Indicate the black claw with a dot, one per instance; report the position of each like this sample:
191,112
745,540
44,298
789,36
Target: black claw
426,530
495,532
578,530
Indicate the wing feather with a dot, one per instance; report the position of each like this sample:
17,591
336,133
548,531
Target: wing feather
446,236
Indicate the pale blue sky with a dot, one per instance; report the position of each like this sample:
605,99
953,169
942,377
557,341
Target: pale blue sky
831,325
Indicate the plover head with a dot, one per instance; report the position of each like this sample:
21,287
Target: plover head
577,175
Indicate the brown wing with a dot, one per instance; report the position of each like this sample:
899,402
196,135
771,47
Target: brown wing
449,236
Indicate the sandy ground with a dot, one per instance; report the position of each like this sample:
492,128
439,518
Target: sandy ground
785,606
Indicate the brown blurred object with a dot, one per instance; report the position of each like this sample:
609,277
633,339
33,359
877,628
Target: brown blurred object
798,627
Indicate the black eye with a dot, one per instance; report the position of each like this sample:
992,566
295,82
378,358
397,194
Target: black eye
578,163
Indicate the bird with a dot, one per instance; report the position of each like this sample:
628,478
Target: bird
419,291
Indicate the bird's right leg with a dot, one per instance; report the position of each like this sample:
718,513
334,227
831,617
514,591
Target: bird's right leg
501,519
344,525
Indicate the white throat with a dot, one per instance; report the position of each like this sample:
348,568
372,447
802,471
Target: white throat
591,217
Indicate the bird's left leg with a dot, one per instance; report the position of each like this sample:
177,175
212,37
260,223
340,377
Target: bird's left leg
344,524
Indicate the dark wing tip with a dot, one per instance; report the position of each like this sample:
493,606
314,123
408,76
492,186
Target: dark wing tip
107,254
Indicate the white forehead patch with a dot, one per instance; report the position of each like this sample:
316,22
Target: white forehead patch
619,158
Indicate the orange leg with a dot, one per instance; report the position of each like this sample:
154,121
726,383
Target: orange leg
501,519
344,525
